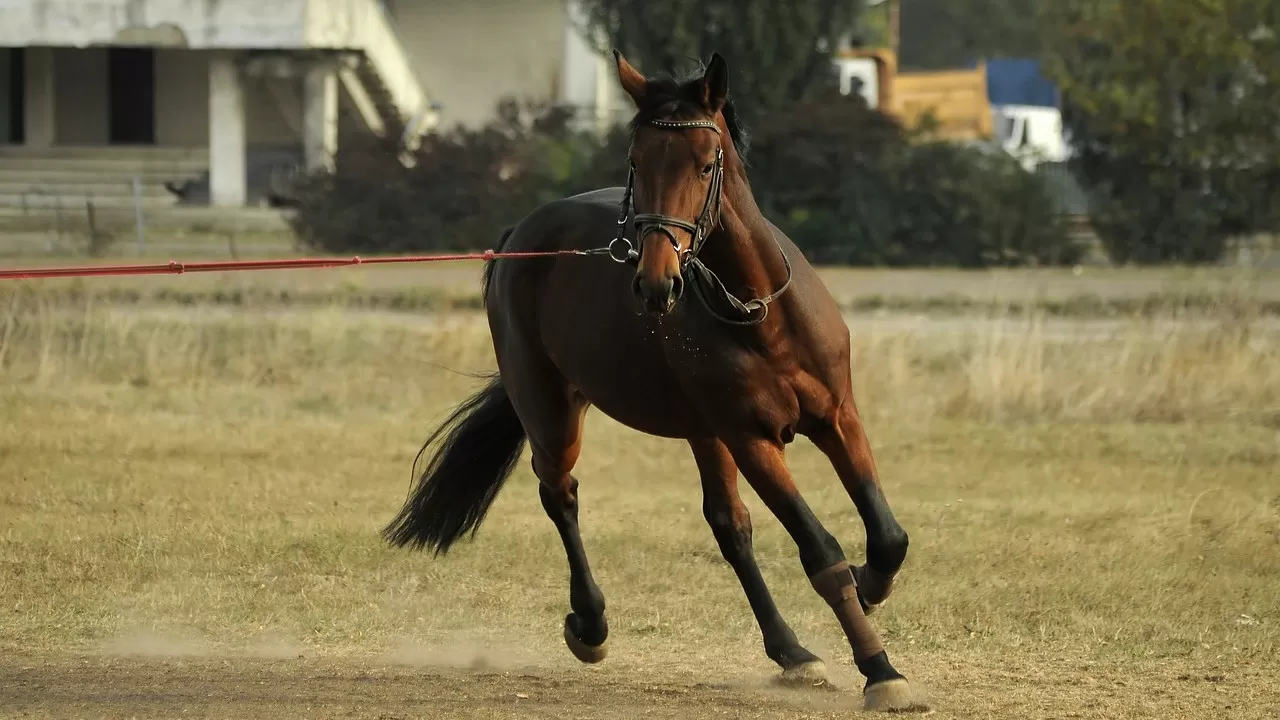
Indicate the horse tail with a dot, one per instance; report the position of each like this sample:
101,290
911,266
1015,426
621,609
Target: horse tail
481,441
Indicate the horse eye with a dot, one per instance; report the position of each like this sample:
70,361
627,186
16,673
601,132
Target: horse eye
707,170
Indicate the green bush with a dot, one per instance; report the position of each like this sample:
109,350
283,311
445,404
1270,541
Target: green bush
1146,213
845,182
851,186
460,189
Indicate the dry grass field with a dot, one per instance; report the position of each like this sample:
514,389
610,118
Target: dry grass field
190,500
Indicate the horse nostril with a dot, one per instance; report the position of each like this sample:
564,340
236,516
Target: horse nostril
636,288
677,287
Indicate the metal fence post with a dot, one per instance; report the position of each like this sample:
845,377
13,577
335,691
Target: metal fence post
137,213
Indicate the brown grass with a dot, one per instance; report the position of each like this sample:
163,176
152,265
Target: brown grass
1086,291
1090,502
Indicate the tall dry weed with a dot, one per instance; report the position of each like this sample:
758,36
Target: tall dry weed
1220,367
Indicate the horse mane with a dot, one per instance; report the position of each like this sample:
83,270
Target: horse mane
680,98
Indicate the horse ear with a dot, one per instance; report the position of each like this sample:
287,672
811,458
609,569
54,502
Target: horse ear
715,84
632,80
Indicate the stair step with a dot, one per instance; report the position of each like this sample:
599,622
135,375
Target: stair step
126,151
94,186
157,217
76,203
120,165
51,176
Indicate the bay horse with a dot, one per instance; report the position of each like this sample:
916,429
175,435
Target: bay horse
662,342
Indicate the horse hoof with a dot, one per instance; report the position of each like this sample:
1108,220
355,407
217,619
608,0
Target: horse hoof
810,674
891,696
873,588
590,654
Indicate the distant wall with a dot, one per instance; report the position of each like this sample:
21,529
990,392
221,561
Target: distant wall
182,101
173,23
470,53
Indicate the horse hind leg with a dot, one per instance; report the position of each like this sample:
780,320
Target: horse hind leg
844,441
731,525
555,435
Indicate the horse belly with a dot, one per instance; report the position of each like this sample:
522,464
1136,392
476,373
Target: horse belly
653,411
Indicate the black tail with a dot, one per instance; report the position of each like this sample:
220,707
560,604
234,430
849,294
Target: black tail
483,439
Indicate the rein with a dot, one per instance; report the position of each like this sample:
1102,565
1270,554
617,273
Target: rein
706,281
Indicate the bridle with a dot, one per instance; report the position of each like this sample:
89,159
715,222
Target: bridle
620,248
705,282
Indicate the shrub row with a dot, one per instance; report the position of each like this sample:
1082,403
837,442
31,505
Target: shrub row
847,183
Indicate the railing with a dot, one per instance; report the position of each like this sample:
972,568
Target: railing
64,206
364,25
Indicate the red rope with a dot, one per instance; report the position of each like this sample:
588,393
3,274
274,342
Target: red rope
174,267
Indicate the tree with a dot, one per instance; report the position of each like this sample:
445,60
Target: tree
1171,107
939,34
778,52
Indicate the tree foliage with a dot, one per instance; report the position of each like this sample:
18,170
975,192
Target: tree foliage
939,34
779,52
850,188
460,189
1172,108
841,179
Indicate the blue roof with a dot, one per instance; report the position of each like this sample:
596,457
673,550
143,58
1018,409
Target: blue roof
1017,81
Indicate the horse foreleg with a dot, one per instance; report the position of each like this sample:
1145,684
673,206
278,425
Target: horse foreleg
844,441
823,560
731,525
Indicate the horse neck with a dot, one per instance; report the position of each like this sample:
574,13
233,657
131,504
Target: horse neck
743,250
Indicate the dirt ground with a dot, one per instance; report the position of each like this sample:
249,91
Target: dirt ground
956,687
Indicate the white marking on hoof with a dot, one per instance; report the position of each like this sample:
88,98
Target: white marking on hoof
892,696
810,674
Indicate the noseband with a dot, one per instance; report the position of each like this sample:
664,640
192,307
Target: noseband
620,248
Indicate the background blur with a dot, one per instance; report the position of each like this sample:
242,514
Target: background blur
967,133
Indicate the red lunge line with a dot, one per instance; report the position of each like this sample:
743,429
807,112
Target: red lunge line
177,268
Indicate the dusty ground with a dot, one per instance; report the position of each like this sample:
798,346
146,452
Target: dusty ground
189,517
964,686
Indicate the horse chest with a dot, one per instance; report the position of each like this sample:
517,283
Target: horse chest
754,391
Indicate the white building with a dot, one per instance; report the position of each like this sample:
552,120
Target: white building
95,93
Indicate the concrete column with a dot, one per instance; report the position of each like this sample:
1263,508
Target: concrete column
320,116
227,136
605,80
40,109
6,64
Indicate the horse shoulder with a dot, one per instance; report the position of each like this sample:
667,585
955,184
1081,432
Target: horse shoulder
818,324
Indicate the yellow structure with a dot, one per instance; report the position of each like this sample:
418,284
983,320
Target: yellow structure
957,99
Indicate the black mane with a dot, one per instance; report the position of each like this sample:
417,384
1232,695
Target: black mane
673,98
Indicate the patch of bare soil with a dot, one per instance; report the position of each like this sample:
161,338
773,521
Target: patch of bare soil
199,687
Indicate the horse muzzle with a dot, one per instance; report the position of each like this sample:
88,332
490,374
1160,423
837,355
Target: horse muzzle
658,297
